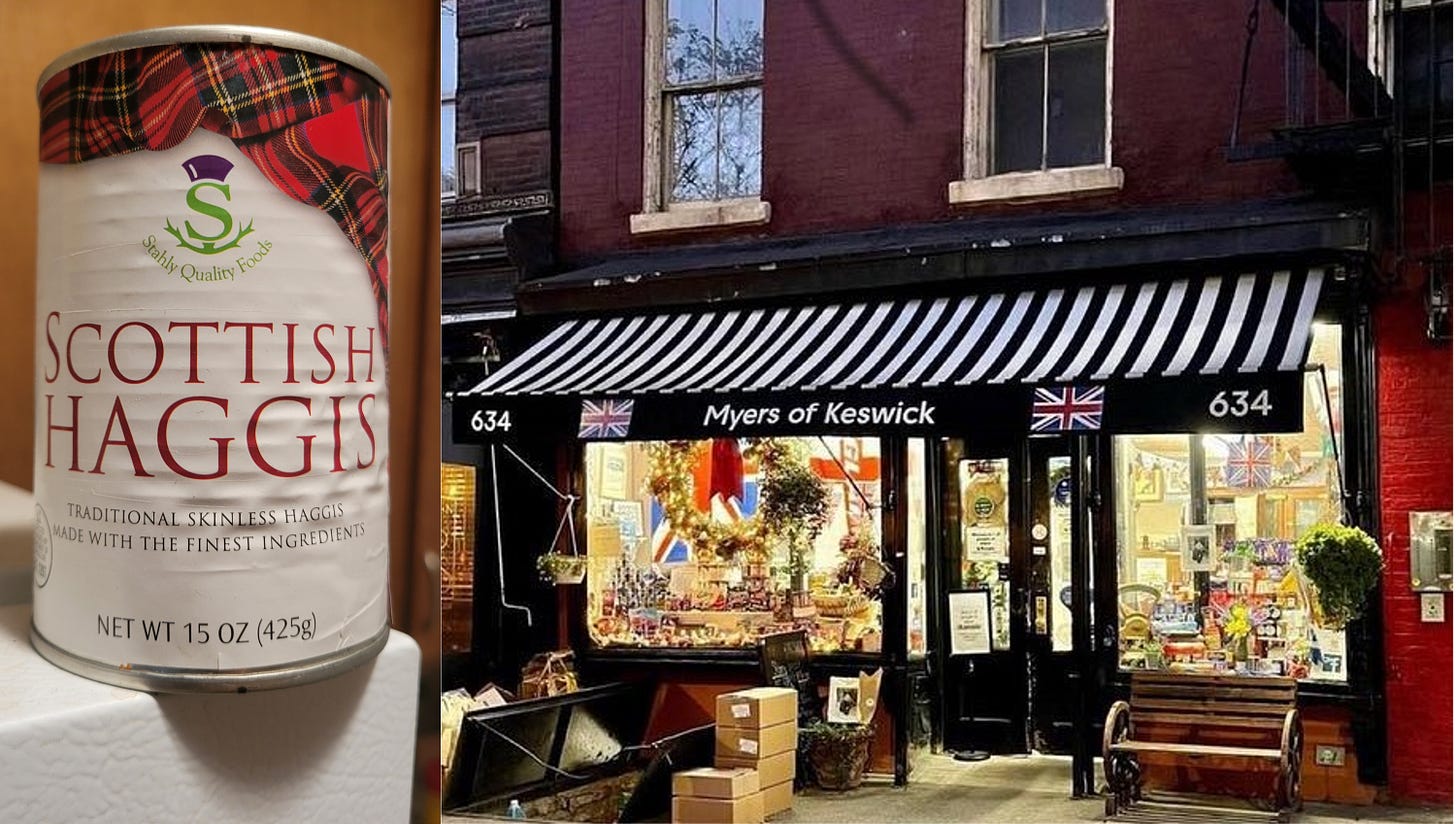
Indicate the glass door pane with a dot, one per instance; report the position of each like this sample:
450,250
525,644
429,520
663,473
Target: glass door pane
986,539
1059,549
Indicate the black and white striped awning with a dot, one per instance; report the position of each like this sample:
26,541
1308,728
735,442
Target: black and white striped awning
1198,354
1247,324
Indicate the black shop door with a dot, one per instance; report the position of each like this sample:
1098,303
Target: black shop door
1005,605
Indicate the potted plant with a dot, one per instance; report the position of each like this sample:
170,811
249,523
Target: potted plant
837,753
560,568
1344,564
796,507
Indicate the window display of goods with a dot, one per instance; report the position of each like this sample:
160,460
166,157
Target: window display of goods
716,543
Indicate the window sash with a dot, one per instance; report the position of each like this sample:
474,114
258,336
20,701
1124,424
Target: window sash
660,151
669,131
991,44
1044,47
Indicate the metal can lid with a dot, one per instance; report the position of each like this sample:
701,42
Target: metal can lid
244,35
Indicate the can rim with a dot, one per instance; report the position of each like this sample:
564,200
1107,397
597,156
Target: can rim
245,35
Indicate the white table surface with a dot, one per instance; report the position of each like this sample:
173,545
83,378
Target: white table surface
73,750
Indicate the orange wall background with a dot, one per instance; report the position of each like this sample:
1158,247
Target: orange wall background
401,36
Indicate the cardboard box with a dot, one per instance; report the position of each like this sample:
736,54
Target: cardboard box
687,809
775,769
741,742
710,782
758,707
778,798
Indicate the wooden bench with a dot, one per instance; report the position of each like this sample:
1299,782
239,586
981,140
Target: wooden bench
1176,714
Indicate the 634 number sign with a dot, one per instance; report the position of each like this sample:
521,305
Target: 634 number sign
1238,403
490,420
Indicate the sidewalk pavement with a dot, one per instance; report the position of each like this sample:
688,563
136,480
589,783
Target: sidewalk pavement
1031,789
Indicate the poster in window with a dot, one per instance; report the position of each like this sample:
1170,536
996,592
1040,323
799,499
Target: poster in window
1197,548
629,518
614,471
969,615
1147,483
1327,659
984,535
985,543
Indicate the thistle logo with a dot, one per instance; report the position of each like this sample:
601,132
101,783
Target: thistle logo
208,173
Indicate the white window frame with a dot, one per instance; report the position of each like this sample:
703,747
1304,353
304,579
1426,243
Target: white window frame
658,213
977,184
467,187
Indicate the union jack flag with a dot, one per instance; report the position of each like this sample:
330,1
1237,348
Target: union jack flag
1250,464
669,548
605,419
1067,409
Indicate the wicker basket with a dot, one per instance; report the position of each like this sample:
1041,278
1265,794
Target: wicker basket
838,755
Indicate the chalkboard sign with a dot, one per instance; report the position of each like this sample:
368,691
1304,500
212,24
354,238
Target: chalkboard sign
784,660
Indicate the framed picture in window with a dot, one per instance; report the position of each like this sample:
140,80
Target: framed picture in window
1147,483
1197,548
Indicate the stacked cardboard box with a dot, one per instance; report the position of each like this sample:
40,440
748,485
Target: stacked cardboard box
759,728
716,796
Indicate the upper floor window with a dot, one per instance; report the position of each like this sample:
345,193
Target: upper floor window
712,90
703,148
1048,63
1425,91
449,58
1037,100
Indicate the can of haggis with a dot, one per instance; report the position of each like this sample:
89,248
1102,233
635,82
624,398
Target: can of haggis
211,456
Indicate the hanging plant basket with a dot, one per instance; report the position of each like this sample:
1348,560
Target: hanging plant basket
1344,564
838,753
562,570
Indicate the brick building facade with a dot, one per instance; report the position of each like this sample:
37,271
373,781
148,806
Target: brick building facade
1238,137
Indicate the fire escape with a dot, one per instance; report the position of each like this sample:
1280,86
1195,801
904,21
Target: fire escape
1365,116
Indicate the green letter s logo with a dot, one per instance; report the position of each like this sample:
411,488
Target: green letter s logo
202,207
208,244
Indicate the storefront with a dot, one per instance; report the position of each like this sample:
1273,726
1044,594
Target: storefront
1196,420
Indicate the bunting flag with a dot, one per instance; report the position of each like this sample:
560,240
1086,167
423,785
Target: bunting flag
1250,464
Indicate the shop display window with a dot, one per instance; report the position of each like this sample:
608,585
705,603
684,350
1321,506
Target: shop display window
457,555
1206,532
687,547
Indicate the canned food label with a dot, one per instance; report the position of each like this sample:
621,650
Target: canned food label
211,410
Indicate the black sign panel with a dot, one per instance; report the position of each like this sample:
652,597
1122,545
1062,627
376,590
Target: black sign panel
1267,403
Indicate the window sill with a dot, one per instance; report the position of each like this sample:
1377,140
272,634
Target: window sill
689,216
1051,184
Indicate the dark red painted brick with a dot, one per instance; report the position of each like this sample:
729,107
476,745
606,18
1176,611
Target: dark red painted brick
1415,389
863,113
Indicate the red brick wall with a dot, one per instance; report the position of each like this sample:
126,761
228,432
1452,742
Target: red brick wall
863,114
1415,474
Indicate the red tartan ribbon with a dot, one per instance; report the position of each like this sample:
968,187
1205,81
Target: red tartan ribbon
314,127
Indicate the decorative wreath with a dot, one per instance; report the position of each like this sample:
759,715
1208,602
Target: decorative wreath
670,479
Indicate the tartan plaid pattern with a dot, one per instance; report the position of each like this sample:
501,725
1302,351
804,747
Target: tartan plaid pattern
314,127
